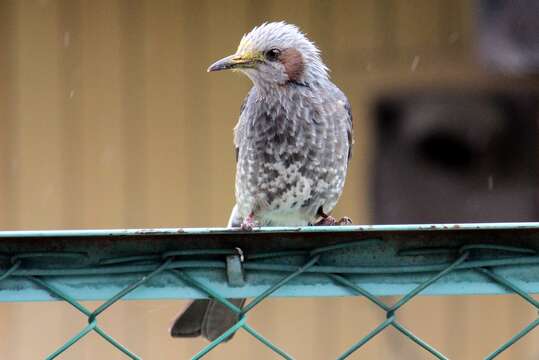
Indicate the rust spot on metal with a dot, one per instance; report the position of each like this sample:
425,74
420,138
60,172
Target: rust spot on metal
145,231
158,231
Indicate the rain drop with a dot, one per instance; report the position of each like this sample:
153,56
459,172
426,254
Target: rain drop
67,39
415,63
454,37
368,67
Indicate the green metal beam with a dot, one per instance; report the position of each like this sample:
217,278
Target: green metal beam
369,261
381,259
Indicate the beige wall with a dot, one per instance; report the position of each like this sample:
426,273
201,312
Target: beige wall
108,119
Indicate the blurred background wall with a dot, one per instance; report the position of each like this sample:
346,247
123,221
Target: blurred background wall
108,119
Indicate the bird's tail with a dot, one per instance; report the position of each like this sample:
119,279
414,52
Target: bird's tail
208,318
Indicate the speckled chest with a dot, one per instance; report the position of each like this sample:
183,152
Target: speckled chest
292,156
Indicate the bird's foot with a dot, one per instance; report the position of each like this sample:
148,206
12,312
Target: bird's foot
345,220
326,221
248,223
331,221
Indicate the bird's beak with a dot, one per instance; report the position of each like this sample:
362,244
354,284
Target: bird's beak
233,62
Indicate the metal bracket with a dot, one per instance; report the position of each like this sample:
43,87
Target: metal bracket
234,269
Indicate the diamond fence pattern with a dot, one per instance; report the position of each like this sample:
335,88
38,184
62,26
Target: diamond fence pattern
180,264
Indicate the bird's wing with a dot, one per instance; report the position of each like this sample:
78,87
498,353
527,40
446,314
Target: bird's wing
242,107
234,220
350,127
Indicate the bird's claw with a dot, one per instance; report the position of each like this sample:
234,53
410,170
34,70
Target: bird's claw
248,224
345,220
331,221
326,221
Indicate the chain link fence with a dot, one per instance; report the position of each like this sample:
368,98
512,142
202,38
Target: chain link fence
485,259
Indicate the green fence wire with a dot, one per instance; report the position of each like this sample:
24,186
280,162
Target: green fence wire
182,263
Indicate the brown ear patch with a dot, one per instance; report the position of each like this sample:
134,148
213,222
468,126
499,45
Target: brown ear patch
293,63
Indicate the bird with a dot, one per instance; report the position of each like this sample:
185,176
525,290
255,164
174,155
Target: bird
293,143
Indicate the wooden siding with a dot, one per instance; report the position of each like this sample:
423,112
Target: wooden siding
108,119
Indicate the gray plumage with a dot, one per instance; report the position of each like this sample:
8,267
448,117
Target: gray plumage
293,148
293,141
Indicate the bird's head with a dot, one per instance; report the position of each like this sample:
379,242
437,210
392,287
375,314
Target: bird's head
276,54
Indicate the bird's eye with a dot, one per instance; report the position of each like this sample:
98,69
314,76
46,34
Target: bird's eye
273,54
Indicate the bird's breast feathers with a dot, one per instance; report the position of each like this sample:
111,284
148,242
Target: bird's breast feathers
292,159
